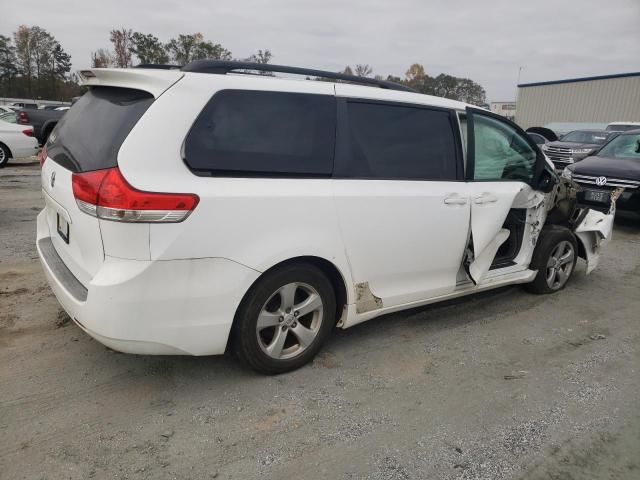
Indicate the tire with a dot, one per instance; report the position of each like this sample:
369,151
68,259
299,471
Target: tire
555,258
269,336
5,155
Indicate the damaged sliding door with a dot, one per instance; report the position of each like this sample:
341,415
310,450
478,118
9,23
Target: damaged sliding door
502,163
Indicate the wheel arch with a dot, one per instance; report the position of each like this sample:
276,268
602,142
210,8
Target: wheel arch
333,273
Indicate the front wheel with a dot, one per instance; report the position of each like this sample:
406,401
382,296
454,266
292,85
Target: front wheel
555,259
284,319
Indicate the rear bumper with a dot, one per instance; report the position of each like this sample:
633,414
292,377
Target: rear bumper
175,307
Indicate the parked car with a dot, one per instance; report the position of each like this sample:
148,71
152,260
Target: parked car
23,105
616,165
562,128
575,146
16,141
187,208
546,133
50,107
43,121
623,126
5,109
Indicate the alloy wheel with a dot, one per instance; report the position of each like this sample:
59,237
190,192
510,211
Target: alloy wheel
289,321
560,265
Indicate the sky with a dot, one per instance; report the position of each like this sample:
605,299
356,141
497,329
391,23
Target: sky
485,40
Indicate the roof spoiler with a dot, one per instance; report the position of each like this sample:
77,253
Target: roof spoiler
154,81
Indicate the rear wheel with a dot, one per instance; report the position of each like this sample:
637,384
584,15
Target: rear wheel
5,155
285,318
555,259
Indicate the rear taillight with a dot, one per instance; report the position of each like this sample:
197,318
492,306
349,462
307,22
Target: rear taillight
107,195
28,132
23,118
43,155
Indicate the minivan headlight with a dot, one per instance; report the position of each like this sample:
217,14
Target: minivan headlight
566,173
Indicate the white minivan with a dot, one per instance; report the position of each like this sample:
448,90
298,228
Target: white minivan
188,210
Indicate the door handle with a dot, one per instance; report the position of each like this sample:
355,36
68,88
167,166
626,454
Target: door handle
455,199
485,198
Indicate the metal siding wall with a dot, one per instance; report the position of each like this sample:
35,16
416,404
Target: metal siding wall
610,100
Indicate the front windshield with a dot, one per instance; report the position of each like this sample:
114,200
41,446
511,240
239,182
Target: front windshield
623,146
585,136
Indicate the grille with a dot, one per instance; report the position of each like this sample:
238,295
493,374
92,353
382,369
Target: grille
560,155
590,181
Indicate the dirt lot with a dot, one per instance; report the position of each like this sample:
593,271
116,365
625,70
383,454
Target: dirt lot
504,385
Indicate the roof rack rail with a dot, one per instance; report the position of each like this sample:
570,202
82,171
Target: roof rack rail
222,67
158,66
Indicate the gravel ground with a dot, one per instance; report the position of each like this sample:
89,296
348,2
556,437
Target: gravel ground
504,385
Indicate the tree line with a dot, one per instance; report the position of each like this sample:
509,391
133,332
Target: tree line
442,85
33,64
127,46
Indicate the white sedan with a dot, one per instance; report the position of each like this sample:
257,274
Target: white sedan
16,141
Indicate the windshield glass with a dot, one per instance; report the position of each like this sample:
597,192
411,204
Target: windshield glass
585,136
623,146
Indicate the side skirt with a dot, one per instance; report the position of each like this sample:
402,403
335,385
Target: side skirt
463,289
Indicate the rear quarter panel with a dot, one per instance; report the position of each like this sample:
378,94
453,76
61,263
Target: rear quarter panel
257,222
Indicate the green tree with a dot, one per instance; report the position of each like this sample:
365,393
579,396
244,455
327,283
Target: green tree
24,55
210,51
40,62
8,69
148,48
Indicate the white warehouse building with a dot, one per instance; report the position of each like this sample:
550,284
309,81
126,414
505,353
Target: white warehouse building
603,99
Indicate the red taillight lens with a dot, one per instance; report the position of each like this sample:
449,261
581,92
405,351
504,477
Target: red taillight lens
23,117
28,132
107,195
43,155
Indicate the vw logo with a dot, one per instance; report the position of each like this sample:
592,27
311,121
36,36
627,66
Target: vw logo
601,181
53,179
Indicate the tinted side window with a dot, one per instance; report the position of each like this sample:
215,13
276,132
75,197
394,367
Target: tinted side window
398,142
255,132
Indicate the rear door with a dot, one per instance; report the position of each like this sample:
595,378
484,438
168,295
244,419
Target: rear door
87,138
502,163
403,214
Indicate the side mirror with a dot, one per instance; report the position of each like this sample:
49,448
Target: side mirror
547,181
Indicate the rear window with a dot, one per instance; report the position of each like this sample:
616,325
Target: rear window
263,133
89,135
392,141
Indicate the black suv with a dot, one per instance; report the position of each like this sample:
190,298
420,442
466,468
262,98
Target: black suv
615,165
575,146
